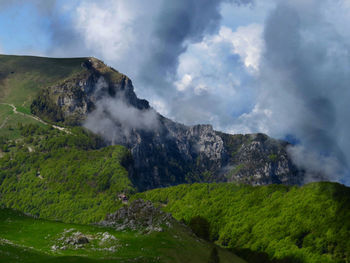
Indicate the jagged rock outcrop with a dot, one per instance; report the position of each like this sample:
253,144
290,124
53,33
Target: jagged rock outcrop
139,215
72,99
258,159
164,152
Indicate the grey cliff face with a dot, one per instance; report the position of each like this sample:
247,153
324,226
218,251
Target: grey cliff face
258,159
164,152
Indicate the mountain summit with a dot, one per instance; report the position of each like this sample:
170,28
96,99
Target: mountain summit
164,152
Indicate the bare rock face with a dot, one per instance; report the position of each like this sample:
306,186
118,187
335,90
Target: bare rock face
207,143
164,152
258,159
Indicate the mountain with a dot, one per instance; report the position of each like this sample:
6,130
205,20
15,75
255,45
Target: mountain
85,91
79,152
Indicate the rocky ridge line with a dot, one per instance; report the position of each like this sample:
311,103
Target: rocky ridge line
166,153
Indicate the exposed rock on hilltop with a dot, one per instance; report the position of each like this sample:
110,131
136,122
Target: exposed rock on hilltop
72,99
140,215
258,159
164,152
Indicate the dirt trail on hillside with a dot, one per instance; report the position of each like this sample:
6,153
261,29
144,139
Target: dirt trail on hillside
30,116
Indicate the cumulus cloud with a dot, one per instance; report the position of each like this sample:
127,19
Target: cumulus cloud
304,83
184,83
118,32
214,77
246,42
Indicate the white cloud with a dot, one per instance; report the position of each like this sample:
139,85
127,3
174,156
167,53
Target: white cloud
184,83
255,121
200,89
117,31
246,42
214,76
160,106
108,30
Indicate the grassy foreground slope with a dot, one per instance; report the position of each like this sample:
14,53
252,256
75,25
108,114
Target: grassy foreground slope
298,224
25,239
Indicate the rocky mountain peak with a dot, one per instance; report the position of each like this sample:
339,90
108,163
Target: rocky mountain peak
164,152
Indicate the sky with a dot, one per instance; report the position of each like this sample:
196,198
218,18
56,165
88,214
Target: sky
280,67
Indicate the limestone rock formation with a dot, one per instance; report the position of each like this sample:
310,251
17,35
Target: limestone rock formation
164,152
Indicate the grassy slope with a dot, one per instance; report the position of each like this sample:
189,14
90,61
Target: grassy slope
21,77
306,224
9,121
25,239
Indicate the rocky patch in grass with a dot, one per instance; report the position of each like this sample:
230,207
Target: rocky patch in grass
139,215
71,239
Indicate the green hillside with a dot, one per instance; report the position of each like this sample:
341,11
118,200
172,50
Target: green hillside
21,77
25,239
48,171
21,80
58,175
298,224
69,175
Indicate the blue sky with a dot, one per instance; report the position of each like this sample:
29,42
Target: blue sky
278,67
23,29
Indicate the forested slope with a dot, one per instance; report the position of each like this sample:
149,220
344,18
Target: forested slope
65,176
302,224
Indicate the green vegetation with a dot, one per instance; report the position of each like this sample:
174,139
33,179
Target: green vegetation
25,239
44,107
69,175
273,157
9,122
56,175
297,224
